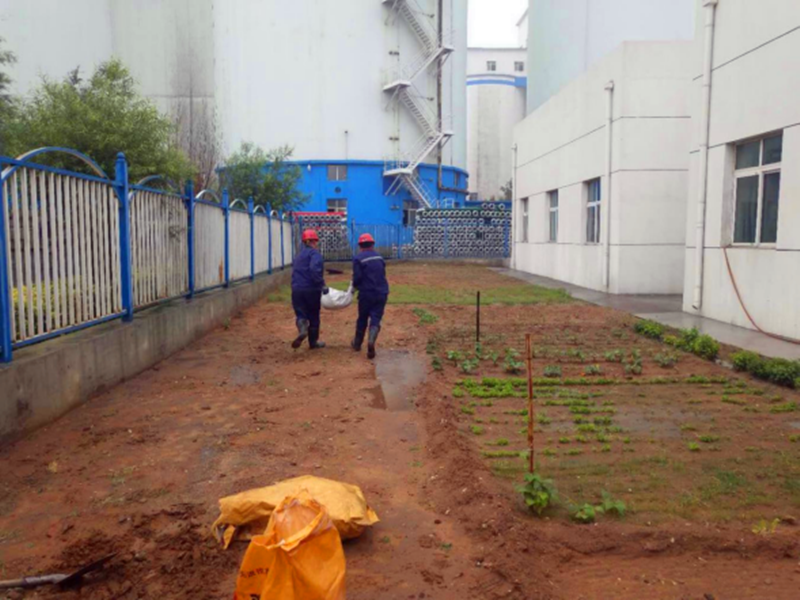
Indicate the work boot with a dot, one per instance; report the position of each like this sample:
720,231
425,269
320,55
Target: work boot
373,337
313,339
358,340
302,333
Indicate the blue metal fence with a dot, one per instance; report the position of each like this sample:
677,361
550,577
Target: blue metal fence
79,249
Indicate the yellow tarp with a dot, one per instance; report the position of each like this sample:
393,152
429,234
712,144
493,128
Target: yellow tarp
300,557
247,514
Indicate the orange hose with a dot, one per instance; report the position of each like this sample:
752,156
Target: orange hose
744,308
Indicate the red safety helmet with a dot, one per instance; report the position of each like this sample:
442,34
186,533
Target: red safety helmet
309,235
366,238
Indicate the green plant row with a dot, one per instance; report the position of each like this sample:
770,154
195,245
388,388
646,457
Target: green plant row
779,371
689,340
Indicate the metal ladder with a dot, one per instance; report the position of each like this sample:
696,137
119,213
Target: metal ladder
401,86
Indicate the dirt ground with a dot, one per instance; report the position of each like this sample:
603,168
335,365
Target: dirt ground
139,469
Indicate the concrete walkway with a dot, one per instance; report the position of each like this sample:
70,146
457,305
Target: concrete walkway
668,310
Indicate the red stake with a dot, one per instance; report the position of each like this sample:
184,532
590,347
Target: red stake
529,358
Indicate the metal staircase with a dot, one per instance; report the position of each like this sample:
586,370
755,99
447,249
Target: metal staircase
435,51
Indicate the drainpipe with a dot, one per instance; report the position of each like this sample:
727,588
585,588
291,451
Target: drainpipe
705,126
609,158
514,209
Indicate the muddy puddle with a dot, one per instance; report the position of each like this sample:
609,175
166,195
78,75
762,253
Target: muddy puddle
399,373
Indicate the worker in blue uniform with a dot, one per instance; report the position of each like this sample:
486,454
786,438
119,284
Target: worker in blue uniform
308,286
369,278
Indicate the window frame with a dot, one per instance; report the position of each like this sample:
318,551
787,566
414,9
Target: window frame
336,211
596,206
339,172
552,212
491,66
761,171
525,224
410,213
519,66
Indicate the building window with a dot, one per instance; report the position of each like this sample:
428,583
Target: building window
491,65
758,188
338,205
553,198
524,207
519,66
593,195
337,172
410,208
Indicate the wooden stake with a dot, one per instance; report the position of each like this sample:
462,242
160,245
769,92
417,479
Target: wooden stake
529,359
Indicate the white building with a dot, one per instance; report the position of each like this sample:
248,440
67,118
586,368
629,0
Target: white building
572,150
749,178
496,90
349,83
569,36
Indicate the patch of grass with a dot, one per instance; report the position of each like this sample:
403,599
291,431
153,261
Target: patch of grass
564,440
436,363
500,454
458,392
693,447
688,427
666,360
476,429
614,356
467,410
549,452
784,408
507,295
425,318
574,452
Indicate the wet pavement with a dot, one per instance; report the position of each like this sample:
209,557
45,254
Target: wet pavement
399,372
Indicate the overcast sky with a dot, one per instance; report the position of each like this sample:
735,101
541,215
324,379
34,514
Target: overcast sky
493,23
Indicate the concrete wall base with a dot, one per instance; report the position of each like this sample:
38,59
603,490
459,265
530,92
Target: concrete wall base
46,380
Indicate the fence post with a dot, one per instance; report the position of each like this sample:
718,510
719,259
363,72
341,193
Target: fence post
5,299
190,234
269,239
292,241
283,258
226,208
250,211
126,267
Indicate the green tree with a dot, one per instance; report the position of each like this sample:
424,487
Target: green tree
6,101
100,117
265,176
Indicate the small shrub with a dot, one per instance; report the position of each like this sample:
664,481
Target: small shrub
538,493
611,506
649,329
564,440
784,408
706,347
469,365
614,356
552,371
593,370
454,356
458,392
549,452
467,410
574,452
501,442
665,360
581,439
709,439
687,339
745,361
584,514
693,447
543,419
436,363
476,429
512,364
